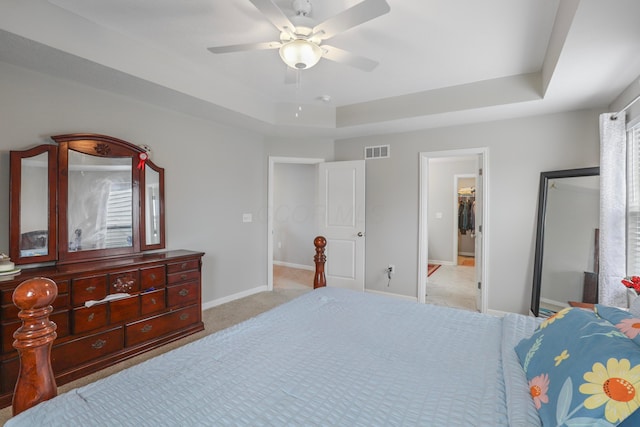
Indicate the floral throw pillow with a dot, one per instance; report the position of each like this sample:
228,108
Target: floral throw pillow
581,370
626,322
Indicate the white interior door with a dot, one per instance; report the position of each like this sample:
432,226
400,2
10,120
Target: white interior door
341,196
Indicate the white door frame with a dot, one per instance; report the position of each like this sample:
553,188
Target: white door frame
423,256
272,162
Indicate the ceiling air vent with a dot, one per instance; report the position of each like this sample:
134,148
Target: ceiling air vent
377,152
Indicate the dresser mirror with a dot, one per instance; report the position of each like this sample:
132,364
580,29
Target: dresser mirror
33,204
152,192
99,202
104,185
566,255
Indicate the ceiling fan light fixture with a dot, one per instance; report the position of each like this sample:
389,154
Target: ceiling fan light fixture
300,54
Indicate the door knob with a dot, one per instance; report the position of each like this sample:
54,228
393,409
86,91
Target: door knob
360,234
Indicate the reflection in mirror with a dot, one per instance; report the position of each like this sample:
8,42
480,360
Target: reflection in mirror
152,206
99,206
566,264
34,215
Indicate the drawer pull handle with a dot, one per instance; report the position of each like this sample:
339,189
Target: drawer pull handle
124,284
153,301
183,266
90,289
184,292
184,316
153,276
183,276
146,328
98,344
91,317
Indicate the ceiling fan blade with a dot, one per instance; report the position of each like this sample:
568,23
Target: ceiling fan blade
244,47
344,57
356,15
274,14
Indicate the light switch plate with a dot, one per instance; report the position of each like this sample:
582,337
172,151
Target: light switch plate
247,217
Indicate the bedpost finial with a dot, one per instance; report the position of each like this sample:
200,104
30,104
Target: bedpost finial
319,280
35,293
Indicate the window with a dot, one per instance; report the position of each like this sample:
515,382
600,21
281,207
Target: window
119,212
633,201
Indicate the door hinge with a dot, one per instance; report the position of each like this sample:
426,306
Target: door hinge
480,171
479,228
479,285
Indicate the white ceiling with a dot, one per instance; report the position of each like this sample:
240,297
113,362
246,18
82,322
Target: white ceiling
441,62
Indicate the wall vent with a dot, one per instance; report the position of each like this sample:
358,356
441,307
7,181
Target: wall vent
377,152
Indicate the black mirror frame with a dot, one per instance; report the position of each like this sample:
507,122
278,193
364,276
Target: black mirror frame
542,207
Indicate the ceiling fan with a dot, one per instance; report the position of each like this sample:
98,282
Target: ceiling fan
301,44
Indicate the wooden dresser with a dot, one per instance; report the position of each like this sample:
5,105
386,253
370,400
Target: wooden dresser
165,305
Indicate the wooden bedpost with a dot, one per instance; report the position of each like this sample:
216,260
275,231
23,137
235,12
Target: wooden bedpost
33,340
319,279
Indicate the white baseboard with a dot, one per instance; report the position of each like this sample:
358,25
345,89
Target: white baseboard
390,294
435,261
219,301
292,265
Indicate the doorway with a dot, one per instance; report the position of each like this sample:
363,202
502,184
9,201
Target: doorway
337,209
439,231
292,219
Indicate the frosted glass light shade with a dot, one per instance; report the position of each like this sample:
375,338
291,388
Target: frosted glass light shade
300,54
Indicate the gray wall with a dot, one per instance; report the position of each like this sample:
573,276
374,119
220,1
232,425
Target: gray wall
294,213
519,149
214,173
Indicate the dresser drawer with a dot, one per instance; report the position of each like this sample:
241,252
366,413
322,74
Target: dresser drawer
124,309
60,318
73,353
144,330
152,302
10,312
153,277
182,277
183,294
183,266
86,319
88,288
124,281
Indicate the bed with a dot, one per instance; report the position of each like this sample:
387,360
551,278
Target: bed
329,357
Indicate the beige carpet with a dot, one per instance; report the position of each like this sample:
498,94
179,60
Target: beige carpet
214,319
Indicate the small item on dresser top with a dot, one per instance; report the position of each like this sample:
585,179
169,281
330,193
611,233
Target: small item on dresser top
110,297
633,291
6,264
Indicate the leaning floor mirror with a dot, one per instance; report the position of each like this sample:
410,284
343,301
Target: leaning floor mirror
566,256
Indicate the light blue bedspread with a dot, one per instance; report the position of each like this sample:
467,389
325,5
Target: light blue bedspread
330,357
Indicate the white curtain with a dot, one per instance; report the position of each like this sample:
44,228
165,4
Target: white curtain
613,196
